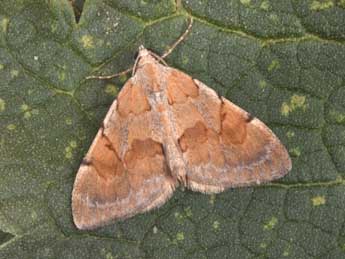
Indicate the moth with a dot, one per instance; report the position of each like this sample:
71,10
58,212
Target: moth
167,129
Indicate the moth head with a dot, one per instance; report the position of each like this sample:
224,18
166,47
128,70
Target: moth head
145,56
143,52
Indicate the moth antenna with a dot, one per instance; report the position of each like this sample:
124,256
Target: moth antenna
158,58
111,76
182,37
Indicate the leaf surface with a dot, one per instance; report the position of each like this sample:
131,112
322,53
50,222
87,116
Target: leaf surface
283,61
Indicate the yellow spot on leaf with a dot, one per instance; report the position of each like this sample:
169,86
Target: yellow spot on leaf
321,5
263,245
265,5
2,105
87,41
24,107
73,144
33,215
109,256
185,60
339,178
69,149
27,115
28,112
14,73
216,225
285,109
318,201
274,17
177,215
271,224
11,126
296,102
155,230
262,84
179,236
111,89
68,155
1,66
68,121
188,212
62,76
4,24
295,151
245,2
290,134
123,78
287,250
53,27
274,65
337,116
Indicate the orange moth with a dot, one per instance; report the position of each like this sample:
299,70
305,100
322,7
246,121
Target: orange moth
167,129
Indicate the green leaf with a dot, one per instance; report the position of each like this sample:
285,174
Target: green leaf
283,61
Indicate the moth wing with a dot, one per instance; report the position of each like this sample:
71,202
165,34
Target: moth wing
124,171
223,146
